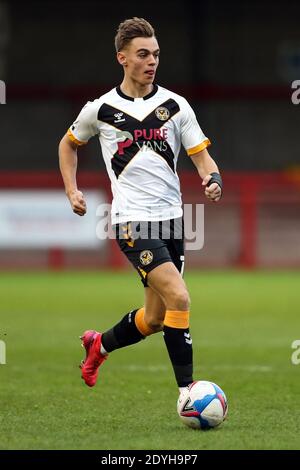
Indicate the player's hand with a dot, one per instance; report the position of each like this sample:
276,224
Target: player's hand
77,202
212,192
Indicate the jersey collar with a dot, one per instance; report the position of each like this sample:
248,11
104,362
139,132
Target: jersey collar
130,98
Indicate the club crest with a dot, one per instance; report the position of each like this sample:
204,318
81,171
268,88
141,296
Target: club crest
146,257
162,113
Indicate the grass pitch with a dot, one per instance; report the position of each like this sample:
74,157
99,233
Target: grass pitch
242,326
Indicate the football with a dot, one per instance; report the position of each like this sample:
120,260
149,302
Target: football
202,405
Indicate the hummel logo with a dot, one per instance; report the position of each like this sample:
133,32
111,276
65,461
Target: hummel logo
118,117
188,338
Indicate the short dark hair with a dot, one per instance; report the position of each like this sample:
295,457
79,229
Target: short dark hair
130,29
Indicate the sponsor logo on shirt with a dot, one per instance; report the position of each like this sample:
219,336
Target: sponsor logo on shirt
146,139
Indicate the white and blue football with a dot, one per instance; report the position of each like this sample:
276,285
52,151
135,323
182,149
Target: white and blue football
202,405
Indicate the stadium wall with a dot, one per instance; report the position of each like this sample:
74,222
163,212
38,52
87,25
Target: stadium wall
256,225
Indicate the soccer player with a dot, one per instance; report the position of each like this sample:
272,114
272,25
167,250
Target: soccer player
141,127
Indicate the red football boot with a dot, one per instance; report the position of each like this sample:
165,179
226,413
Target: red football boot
91,340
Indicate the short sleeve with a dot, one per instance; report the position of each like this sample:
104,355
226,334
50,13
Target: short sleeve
192,136
85,125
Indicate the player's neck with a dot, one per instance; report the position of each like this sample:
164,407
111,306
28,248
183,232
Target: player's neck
134,89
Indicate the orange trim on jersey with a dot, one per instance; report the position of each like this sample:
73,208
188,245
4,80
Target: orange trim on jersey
199,147
177,319
140,323
73,138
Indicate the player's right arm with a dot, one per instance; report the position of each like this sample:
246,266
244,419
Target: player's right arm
78,134
67,152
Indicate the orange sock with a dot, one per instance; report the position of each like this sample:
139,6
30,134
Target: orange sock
140,323
177,319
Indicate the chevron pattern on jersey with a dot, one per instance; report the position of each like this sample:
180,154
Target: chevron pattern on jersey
122,121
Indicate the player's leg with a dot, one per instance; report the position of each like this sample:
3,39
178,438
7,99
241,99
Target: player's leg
154,310
134,326
167,282
144,321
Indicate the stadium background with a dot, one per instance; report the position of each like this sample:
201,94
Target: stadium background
235,62
235,71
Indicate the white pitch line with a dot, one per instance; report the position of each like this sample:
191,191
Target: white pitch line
164,368
248,368
146,368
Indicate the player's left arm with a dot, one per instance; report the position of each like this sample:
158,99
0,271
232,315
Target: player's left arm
209,172
195,144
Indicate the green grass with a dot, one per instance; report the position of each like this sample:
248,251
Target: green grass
242,325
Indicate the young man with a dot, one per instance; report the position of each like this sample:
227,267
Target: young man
141,126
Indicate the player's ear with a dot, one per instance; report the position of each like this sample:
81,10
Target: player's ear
121,58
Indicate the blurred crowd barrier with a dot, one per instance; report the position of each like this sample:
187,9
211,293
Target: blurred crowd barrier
256,224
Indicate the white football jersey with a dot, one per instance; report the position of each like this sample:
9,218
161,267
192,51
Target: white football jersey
140,140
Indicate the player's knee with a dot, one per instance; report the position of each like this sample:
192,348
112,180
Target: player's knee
155,324
155,321
181,300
